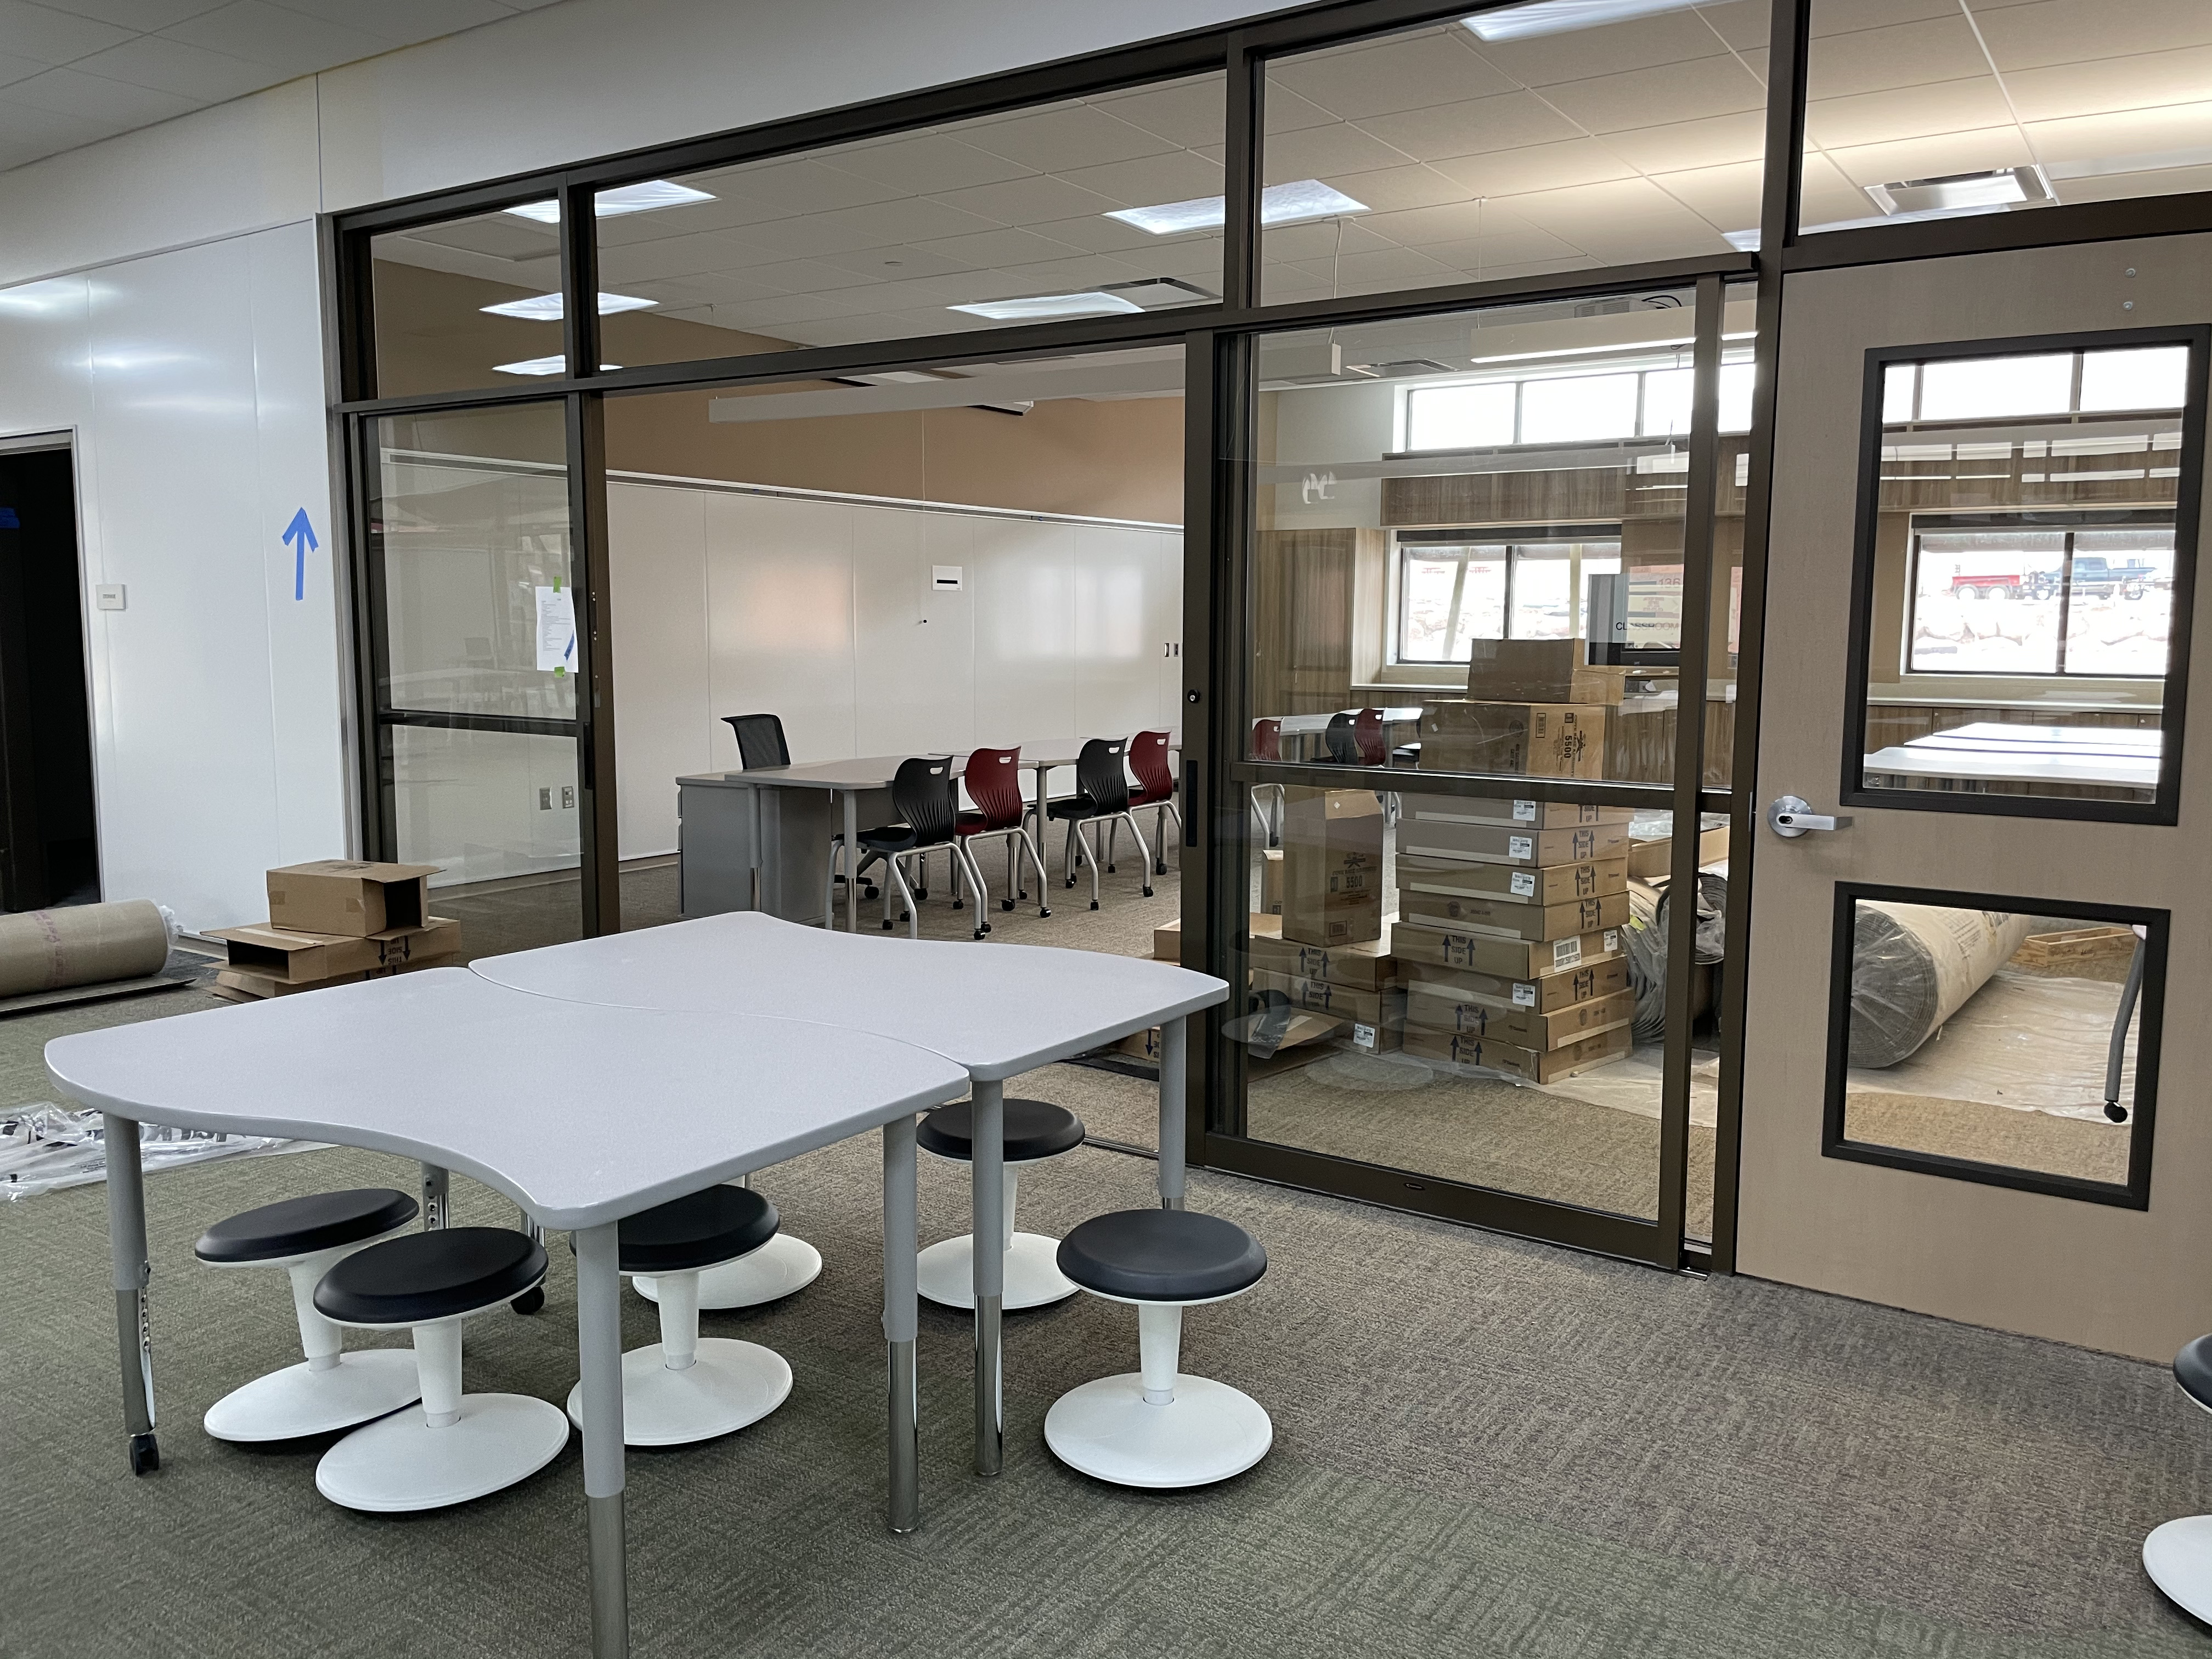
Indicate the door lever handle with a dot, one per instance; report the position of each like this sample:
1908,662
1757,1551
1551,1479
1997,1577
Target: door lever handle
1790,817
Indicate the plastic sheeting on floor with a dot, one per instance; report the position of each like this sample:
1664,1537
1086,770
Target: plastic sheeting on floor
44,1147
2024,1040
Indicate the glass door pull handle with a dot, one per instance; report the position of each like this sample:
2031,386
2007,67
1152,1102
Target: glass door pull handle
1790,817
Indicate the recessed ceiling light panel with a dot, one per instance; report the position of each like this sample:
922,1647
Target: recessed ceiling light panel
1041,307
547,308
556,365
624,198
1537,17
1279,204
1999,187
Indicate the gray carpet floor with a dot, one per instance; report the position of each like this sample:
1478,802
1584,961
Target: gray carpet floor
1483,1447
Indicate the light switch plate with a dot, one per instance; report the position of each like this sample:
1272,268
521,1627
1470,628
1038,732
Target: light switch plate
108,596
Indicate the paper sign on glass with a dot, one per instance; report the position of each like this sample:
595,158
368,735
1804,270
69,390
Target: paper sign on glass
557,628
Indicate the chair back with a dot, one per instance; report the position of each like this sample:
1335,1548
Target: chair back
921,791
1268,740
1148,759
1367,733
994,784
760,740
1343,744
1100,777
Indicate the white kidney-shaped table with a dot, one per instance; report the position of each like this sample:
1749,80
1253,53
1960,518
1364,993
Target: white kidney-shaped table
590,1081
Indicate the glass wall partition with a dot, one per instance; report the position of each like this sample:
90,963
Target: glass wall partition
1466,615
473,595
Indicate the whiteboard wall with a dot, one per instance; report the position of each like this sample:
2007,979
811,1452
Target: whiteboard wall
820,609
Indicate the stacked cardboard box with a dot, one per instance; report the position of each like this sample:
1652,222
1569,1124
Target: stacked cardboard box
1508,934
1532,706
1326,954
335,922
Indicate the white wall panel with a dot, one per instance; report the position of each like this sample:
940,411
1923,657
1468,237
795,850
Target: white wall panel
1025,635
914,662
46,374
780,621
1167,625
1117,578
657,554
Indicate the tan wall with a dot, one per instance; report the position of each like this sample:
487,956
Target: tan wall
1119,459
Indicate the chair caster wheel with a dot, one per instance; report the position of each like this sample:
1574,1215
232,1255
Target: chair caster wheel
1094,904
1110,869
1008,904
980,931
1041,911
530,1301
1023,893
959,904
1159,869
1070,881
888,925
921,894
1148,891
145,1453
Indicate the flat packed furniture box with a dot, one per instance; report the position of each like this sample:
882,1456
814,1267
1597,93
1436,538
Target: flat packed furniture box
1332,866
1533,739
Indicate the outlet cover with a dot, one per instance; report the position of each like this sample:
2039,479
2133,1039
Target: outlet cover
108,596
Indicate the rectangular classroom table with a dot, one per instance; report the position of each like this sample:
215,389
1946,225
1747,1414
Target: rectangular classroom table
1987,752
582,1114
995,1011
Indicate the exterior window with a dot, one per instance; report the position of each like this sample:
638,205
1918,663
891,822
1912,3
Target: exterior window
1589,407
1453,592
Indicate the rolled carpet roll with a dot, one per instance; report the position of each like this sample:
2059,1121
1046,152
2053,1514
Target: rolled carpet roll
83,944
1913,966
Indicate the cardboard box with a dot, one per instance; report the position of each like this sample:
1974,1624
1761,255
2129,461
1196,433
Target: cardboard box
315,958
1508,843
1320,996
1649,859
1513,918
1271,881
1545,992
340,895
1545,740
1167,942
250,985
1551,883
1332,866
1532,814
1534,1066
1542,671
1442,1005
1366,966
1507,958
1142,1045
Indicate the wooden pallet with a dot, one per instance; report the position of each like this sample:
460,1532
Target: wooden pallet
2076,946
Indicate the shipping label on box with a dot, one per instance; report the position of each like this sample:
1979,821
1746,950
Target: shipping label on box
1511,917
1532,1065
1547,740
1332,866
1552,883
1440,1005
1534,814
1505,843
347,897
1547,992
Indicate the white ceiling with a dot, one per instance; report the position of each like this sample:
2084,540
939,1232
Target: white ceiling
72,71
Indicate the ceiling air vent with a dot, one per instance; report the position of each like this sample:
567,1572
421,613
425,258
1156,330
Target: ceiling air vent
2000,187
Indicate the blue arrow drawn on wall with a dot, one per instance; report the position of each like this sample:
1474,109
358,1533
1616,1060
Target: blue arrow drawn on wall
300,535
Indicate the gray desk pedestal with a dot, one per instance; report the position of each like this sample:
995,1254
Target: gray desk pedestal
716,855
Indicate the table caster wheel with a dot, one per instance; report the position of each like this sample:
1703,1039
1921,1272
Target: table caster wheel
1042,911
1008,904
1148,890
145,1454
530,1301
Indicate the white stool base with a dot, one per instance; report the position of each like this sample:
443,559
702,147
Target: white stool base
296,1402
2178,1556
401,1463
1208,1432
773,1272
728,1386
947,1272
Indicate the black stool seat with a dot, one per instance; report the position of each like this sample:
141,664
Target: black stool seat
2192,1369
699,1229
1034,1129
425,1276
889,838
301,1226
1162,1255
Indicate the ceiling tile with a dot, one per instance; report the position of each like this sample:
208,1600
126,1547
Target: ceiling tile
402,22
1059,140
2147,80
2164,181
1411,71
1909,113
1184,113
1647,98
906,264
1720,142
1039,198
999,247
797,187
50,130
1643,43
1743,24
2072,31
1537,166
1932,157
18,68
1178,176
1389,268
2176,135
1418,227
728,210
1903,54
1480,257
1100,234
926,164
140,15
68,91
172,66
1325,152
285,41
1392,189
47,36
886,223
1726,197
1324,239
1286,111
1506,122
1845,16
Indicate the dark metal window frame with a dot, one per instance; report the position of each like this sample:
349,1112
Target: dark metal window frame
2163,808
1217,341
2134,1194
